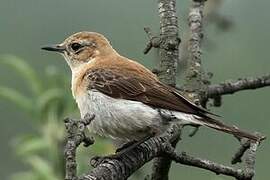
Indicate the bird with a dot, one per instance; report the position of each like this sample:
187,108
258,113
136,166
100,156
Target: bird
127,98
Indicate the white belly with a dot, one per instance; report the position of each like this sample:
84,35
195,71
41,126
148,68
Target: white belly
122,119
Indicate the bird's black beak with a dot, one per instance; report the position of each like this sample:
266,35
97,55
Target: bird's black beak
56,47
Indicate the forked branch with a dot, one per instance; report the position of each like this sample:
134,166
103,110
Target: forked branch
239,174
122,167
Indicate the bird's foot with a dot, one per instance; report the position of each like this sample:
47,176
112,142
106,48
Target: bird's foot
87,119
125,145
132,144
125,148
194,131
97,160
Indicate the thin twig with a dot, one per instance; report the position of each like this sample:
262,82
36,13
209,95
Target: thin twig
186,159
250,160
231,87
237,158
154,41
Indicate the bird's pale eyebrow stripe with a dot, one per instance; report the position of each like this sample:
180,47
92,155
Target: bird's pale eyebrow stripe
89,43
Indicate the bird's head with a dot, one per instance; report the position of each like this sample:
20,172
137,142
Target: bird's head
82,47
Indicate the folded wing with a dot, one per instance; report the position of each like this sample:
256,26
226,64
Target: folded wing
131,86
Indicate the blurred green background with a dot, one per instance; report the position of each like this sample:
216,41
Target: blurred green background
31,128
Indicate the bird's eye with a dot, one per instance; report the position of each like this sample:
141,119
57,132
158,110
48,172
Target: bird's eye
75,46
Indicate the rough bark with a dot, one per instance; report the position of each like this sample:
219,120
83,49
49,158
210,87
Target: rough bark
230,87
169,55
168,49
195,81
239,174
126,164
75,136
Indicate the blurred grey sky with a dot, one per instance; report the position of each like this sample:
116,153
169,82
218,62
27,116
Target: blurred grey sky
242,51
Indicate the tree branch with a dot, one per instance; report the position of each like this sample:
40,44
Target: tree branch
168,48
245,145
239,174
126,164
195,81
169,55
231,87
122,167
75,136
154,41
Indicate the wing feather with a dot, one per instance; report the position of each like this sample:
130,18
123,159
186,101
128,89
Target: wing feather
150,91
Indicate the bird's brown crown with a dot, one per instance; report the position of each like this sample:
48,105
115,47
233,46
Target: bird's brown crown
84,46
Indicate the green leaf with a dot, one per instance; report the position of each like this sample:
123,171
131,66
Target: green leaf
47,98
17,98
23,176
42,167
31,146
26,71
56,78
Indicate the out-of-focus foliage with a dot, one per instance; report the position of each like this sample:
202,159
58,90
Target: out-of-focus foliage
47,105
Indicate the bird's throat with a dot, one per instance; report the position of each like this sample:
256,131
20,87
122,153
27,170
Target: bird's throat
78,86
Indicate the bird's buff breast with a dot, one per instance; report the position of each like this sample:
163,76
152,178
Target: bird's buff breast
117,118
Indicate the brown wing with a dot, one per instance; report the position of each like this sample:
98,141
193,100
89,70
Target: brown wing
150,91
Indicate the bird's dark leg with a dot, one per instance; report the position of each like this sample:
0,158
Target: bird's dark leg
166,115
95,161
125,145
131,144
194,130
